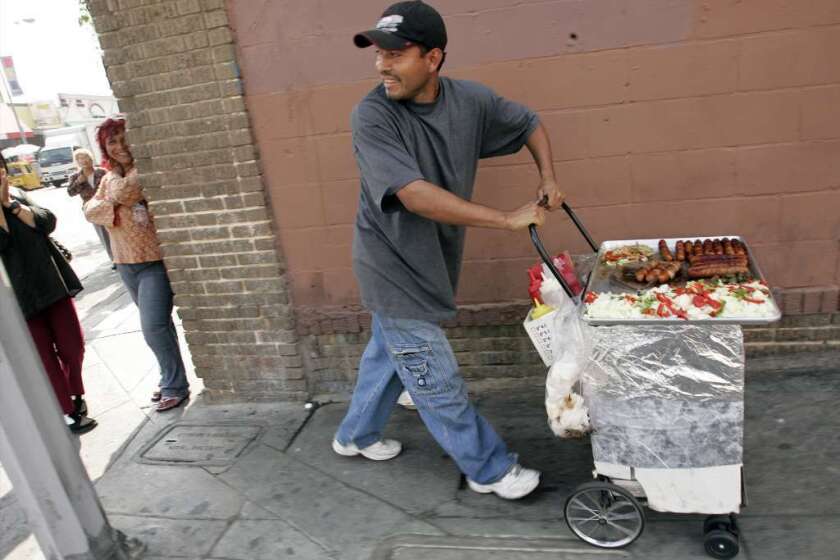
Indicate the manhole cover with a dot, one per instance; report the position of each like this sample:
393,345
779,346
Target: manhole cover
200,444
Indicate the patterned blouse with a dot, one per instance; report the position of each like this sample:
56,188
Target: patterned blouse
120,205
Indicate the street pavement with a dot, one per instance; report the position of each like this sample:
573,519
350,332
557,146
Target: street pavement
259,481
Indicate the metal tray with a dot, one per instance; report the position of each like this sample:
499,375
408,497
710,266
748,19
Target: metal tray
602,279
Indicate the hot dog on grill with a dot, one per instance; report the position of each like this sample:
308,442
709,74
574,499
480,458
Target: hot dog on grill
740,260
727,247
689,249
718,246
707,271
664,251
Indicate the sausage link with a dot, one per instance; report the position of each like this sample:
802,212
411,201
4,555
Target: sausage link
727,247
715,270
664,251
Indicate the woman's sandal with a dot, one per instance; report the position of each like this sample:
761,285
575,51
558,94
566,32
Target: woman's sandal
168,403
156,396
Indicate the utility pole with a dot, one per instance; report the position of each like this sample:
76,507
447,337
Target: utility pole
41,457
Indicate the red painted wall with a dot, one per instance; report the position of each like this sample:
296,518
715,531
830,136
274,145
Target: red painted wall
667,118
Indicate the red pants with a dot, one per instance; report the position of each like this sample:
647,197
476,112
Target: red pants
58,336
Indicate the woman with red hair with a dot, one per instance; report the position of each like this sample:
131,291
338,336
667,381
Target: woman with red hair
120,205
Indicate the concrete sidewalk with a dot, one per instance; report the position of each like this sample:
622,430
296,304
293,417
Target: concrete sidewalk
261,482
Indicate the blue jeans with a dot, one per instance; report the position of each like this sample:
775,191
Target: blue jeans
149,287
416,355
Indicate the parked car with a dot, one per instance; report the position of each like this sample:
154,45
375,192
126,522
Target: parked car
23,176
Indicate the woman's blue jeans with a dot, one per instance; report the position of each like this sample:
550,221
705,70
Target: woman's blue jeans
148,285
416,355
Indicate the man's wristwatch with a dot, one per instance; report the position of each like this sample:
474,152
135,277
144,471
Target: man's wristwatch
14,207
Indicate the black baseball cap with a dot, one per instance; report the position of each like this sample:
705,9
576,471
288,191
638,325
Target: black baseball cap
404,24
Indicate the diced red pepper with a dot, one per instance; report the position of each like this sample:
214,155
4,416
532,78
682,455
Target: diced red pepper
701,300
648,311
631,299
678,312
714,304
662,311
590,297
663,298
753,300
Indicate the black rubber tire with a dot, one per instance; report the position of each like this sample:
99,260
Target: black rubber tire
720,543
722,522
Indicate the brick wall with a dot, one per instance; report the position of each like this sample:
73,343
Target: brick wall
495,353
668,118
172,65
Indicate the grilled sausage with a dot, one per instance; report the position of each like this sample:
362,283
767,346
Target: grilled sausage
718,259
698,247
708,247
640,275
664,251
708,271
739,247
718,246
689,249
727,247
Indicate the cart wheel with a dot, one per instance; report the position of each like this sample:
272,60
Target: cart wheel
723,522
604,515
720,543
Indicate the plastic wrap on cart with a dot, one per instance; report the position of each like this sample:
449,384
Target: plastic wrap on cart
666,396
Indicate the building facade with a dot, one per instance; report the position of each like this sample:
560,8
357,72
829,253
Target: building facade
667,118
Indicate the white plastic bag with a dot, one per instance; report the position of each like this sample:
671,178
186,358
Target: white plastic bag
567,413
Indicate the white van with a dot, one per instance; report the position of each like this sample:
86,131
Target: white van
56,164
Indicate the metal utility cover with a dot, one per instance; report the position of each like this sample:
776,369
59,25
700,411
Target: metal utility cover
200,444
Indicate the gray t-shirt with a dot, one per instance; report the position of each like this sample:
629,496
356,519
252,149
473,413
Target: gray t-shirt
407,265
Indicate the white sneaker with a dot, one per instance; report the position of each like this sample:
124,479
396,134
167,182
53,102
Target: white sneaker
517,483
380,451
406,401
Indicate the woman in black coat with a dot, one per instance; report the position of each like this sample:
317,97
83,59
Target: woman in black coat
44,285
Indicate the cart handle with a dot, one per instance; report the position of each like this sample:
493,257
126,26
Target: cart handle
535,238
580,227
549,262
